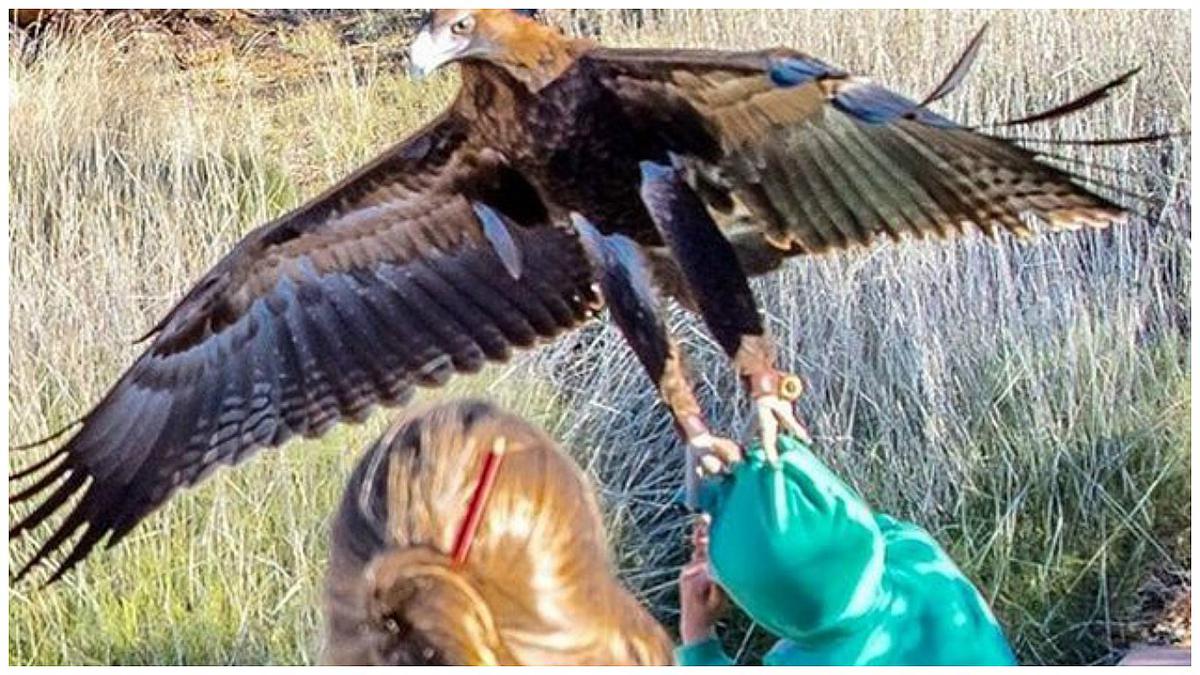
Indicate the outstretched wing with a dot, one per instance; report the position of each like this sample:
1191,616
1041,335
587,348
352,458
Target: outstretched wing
414,268
797,157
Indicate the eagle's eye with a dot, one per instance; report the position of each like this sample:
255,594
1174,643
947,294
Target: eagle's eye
463,26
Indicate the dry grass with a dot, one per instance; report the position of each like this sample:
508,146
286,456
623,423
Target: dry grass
1029,404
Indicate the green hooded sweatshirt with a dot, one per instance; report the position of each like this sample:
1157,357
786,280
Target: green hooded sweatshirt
805,557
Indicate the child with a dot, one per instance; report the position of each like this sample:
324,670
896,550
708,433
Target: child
466,537
805,557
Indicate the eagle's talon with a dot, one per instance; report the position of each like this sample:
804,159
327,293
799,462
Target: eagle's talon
714,454
710,465
775,412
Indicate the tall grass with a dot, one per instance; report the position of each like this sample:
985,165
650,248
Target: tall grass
1029,404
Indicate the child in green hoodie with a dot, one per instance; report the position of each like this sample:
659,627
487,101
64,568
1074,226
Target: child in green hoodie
805,557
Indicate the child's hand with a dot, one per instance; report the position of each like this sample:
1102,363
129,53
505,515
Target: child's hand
701,600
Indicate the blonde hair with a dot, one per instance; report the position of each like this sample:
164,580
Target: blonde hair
537,586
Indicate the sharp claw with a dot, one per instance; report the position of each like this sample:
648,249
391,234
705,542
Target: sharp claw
788,415
728,451
774,411
802,433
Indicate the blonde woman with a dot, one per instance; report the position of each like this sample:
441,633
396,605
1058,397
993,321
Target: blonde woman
466,537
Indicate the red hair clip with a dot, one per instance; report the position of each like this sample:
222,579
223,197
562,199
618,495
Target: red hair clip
466,533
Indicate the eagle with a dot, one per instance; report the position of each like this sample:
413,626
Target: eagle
563,178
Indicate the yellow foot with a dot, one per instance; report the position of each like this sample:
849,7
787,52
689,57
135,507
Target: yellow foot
714,454
776,410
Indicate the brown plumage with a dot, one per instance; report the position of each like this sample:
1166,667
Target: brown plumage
455,246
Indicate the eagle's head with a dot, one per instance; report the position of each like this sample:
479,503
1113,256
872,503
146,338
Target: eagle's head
509,38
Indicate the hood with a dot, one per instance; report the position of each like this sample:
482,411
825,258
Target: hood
794,546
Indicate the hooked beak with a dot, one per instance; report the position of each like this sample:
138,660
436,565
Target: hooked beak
426,55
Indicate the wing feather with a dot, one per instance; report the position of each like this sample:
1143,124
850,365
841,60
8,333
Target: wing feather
383,283
826,161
